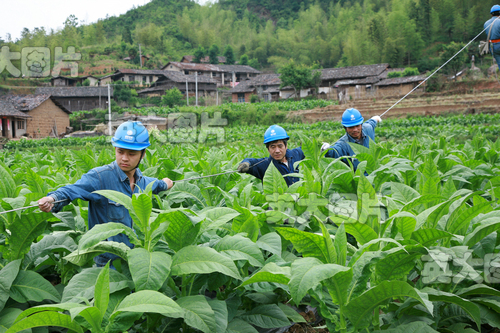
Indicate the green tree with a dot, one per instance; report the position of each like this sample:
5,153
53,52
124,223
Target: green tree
86,83
100,33
132,52
229,54
172,97
127,35
149,35
199,54
244,60
213,54
298,77
455,65
121,92
254,63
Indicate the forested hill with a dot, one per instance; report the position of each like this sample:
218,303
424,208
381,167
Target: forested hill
326,33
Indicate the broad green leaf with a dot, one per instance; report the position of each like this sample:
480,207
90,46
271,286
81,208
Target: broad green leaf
80,258
428,237
481,232
7,276
251,227
149,270
240,326
441,296
415,327
56,242
270,273
424,199
489,303
405,222
48,308
238,247
266,316
101,232
273,181
82,285
340,244
149,301
142,208
270,242
7,185
45,319
24,231
332,253
198,313
397,265
458,222
221,314
218,216
306,243
478,289
368,204
360,310
8,317
118,197
101,291
180,232
291,313
202,260
91,314
362,232
403,193
31,286
307,273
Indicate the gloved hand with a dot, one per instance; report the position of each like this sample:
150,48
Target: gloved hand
325,146
377,119
243,167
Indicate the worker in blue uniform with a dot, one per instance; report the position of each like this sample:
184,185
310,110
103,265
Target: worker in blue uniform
276,141
494,35
357,131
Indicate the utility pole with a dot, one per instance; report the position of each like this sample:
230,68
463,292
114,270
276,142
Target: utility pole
109,110
140,55
196,86
187,93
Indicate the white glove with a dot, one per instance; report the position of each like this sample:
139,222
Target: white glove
325,146
377,119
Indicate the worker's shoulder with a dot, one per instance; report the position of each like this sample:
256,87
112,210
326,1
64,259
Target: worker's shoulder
108,168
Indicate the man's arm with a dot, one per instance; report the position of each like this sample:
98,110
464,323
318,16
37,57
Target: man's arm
259,170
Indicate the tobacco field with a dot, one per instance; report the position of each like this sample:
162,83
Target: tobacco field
408,243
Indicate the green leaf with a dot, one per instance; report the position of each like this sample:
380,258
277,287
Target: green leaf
221,314
415,327
238,247
266,316
149,301
101,232
309,272
31,286
291,313
101,291
80,258
91,314
198,313
332,254
270,242
478,289
362,232
7,185
25,231
240,326
270,273
217,217
441,296
61,307
8,317
202,260
82,285
340,244
308,244
403,193
459,220
149,269
405,222
481,232
360,310
397,265
428,237
7,276
118,197
368,205
180,232
142,208
45,319
273,181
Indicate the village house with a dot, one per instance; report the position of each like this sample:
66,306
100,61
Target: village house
78,98
139,76
68,81
206,60
225,75
265,86
36,116
172,79
399,86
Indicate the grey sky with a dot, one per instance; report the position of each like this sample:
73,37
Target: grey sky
18,14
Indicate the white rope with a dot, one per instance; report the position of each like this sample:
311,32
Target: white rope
437,70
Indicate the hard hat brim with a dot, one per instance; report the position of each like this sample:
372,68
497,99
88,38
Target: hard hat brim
130,146
283,137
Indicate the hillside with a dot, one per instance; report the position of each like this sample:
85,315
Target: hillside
404,33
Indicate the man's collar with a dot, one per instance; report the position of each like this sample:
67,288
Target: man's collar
123,176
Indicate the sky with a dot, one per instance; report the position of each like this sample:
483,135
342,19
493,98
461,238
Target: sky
19,14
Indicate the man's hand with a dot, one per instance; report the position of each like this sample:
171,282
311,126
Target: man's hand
325,146
243,167
169,182
377,119
46,204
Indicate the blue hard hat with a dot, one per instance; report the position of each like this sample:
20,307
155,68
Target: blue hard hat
352,117
131,135
274,133
495,8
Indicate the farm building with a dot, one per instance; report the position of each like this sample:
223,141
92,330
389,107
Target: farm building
142,76
78,98
266,86
170,79
206,60
36,116
68,81
399,85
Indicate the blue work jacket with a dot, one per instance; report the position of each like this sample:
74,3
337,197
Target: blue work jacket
292,156
102,209
342,147
495,34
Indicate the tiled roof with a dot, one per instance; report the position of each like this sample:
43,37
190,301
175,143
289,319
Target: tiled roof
181,77
74,91
205,60
259,80
242,87
30,102
368,80
353,72
211,68
9,110
401,80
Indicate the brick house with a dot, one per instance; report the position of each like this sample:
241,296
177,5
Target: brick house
78,98
68,81
206,60
143,76
171,79
225,75
37,116
266,86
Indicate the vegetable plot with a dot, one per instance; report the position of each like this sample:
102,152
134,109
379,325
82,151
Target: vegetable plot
411,247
